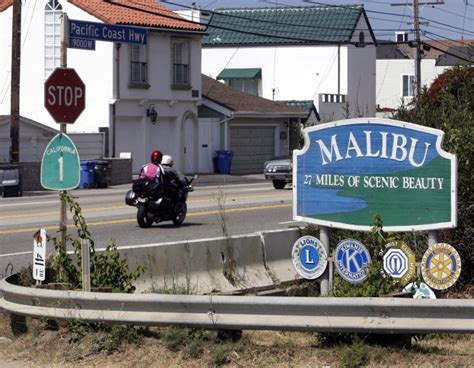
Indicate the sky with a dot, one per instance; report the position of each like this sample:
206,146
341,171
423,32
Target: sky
452,20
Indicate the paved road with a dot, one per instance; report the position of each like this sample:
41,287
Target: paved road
250,204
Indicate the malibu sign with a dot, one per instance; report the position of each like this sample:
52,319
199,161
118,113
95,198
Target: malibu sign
349,170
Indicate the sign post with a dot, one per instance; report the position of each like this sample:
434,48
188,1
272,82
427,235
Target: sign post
39,256
64,98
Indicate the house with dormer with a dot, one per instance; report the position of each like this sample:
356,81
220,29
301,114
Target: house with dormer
396,68
324,54
145,97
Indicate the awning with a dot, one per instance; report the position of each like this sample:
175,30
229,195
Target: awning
241,73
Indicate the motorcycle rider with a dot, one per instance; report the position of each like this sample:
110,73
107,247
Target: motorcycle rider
174,182
153,171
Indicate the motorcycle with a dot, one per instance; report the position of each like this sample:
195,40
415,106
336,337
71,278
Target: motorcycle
155,203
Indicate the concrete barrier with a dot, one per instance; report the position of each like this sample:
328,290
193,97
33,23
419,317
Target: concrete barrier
277,254
244,262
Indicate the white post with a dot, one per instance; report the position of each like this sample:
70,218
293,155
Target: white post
432,238
324,280
86,267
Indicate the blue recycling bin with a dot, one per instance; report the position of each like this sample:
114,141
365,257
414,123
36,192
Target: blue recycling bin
87,175
223,161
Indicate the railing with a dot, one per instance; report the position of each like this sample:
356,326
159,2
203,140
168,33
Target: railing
379,315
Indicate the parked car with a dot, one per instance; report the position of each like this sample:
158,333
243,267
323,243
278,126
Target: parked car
10,181
279,170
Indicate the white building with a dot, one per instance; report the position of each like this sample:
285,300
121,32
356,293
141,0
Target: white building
325,54
124,83
396,68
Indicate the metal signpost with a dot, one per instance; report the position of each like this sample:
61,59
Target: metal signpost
39,256
349,170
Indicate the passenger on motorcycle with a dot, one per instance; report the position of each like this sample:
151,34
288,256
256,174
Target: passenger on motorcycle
153,171
174,182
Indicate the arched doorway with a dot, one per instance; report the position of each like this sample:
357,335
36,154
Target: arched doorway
188,142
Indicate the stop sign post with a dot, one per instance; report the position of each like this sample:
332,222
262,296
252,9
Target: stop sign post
64,95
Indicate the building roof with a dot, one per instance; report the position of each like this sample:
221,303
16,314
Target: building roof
438,48
145,13
283,25
4,4
390,50
453,55
240,102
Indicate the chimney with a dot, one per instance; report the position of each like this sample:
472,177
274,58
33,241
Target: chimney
401,37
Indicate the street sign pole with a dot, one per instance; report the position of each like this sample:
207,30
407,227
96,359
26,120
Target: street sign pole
63,130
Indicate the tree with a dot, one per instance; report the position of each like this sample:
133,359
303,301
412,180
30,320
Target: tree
448,105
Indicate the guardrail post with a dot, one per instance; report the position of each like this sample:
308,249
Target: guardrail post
86,265
324,280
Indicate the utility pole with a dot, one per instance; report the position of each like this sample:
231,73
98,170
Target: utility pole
416,30
15,84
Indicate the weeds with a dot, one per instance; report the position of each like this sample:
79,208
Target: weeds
355,355
220,354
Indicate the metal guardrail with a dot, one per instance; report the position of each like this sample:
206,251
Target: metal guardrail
379,315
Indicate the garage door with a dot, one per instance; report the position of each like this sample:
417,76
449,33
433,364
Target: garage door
252,146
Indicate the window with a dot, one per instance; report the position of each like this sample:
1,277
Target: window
52,36
244,85
180,50
242,79
408,85
138,64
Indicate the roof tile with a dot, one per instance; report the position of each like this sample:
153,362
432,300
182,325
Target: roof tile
4,4
288,25
240,101
146,13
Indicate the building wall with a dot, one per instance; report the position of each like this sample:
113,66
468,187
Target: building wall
295,72
389,79
361,80
94,68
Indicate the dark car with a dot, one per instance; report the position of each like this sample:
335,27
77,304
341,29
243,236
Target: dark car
279,170
10,181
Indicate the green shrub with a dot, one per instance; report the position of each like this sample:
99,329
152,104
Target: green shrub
107,268
355,355
448,105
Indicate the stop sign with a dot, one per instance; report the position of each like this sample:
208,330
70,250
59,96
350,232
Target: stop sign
64,95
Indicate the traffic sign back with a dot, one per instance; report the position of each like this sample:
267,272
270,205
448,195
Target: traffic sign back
60,167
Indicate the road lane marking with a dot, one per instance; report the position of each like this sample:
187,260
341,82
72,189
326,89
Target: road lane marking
112,222
16,254
95,209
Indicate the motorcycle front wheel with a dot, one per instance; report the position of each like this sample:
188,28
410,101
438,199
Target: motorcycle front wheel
142,217
181,215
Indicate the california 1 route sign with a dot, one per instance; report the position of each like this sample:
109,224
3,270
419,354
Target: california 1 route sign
350,170
60,166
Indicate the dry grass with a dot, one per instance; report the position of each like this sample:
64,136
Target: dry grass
40,348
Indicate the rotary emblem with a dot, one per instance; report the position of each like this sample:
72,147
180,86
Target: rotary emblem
441,266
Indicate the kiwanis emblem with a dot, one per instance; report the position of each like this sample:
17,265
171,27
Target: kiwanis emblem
351,260
441,266
309,257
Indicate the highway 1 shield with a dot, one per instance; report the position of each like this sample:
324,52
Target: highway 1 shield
60,167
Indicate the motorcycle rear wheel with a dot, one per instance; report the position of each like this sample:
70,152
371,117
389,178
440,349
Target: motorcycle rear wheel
142,217
181,215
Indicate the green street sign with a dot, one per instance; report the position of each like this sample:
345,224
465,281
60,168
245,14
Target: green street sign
60,167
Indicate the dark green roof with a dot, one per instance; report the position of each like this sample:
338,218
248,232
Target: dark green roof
240,73
304,105
270,26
